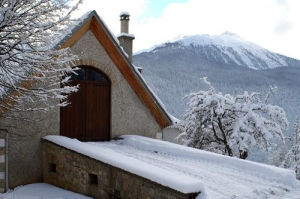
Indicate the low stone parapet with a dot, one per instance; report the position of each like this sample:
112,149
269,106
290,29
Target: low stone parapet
77,172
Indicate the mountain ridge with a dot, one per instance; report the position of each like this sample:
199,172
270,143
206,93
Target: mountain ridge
227,48
173,71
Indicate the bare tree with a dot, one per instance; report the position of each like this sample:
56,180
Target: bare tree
231,124
32,67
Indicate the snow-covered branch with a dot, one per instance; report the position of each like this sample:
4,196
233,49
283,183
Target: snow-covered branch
231,124
292,158
31,69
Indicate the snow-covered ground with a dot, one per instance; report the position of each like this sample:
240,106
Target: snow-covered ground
217,176
41,191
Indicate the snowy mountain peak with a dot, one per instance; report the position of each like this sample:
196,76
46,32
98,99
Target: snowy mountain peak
178,37
230,34
226,49
226,39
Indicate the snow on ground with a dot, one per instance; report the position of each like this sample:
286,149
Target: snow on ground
41,191
218,177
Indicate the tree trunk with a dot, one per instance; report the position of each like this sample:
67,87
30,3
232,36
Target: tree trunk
229,151
243,154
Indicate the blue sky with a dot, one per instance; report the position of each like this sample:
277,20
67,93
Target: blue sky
155,8
272,24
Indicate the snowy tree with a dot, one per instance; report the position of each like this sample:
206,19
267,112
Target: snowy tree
277,156
32,69
292,158
231,124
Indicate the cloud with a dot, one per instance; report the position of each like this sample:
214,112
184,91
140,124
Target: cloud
283,26
109,10
282,2
202,17
271,24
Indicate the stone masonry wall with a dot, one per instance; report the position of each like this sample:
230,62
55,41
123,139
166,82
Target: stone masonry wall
25,130
73,171
128,113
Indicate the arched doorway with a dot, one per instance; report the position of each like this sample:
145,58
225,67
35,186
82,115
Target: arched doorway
87,117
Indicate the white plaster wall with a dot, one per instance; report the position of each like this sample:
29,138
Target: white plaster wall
169,134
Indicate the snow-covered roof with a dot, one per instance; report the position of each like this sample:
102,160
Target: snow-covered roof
189,170
176,126
179,182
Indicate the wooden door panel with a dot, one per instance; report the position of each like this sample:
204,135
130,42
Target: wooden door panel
87,118
97,112
72,117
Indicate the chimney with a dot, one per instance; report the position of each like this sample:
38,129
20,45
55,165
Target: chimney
125,38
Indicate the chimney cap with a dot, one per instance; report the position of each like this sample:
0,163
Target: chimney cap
124,14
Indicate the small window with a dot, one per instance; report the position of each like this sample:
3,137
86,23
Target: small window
93,179
91,75
100,78
52,168
94,76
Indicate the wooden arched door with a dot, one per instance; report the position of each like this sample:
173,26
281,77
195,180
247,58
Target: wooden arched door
87,117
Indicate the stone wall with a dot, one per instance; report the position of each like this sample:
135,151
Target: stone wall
25,130
73,171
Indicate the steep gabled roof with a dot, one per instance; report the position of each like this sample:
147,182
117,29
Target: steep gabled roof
96,25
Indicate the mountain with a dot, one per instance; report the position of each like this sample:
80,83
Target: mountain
233,65
227,49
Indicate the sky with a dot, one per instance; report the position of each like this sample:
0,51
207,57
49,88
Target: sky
272,24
